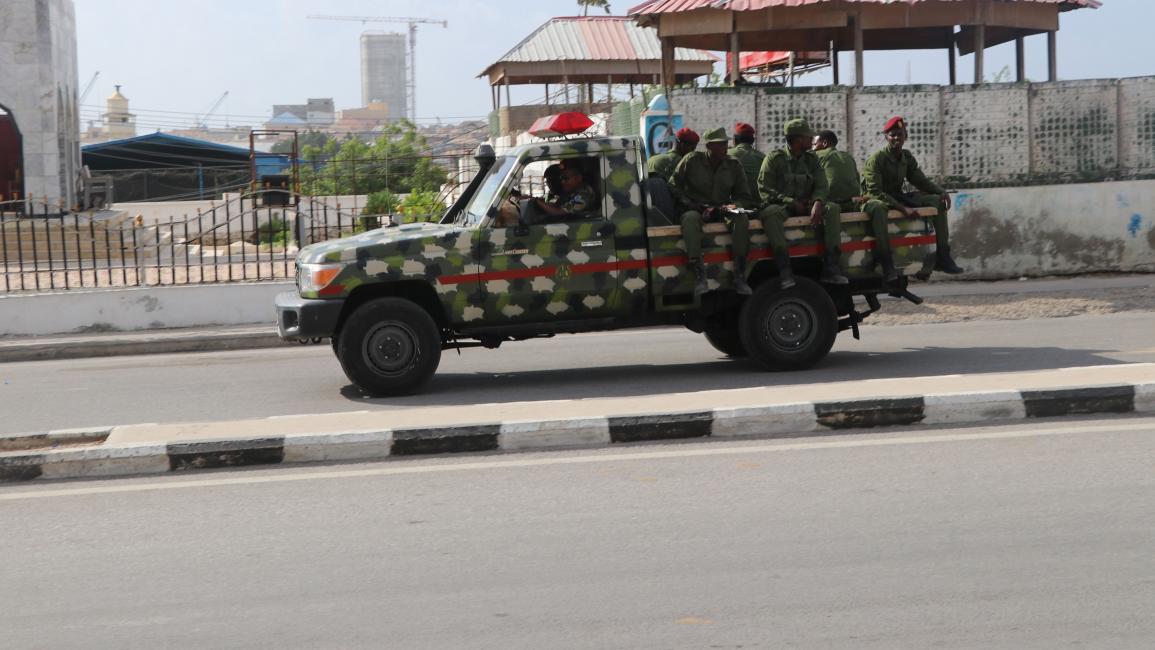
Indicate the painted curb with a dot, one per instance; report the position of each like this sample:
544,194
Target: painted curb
773,421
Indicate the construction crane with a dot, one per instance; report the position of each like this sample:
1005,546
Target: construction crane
411,85
88,88
203,121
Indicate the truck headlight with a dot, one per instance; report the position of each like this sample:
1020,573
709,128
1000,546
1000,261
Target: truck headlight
312,278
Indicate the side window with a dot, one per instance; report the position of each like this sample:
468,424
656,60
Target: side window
555,190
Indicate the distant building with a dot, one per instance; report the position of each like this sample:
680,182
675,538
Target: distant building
383,79
39,117
360,120
315,113
118,122
165,167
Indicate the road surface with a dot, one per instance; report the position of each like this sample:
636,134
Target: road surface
1026,536
42,395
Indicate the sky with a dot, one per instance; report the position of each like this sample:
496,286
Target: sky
175,58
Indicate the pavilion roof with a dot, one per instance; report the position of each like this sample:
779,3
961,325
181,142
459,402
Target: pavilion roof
675,6
592,49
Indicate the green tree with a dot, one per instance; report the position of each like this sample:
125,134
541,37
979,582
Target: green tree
383,202
398,160
422,205
586,4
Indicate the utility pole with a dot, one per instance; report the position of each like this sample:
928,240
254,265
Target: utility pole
411,64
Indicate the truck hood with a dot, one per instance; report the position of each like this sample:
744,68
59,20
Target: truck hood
391,237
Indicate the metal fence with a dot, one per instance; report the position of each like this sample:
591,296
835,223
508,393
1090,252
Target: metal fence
243,239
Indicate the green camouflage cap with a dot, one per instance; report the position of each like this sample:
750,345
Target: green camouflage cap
798,127
716,135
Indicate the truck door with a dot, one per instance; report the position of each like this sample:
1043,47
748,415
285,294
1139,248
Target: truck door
556,267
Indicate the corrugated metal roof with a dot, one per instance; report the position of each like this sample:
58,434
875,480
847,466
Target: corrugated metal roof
676,6
594,38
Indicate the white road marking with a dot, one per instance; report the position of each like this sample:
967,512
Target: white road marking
411,467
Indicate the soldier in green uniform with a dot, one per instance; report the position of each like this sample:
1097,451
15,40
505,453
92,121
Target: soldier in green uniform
663,165
576,198
746,154
846,192
702,183
793,184
882,179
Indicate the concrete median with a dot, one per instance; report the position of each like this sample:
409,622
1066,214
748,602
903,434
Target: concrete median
753,413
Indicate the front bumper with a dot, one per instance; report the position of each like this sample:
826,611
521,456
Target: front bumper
302,318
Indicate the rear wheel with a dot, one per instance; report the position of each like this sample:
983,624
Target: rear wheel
389,346
789,328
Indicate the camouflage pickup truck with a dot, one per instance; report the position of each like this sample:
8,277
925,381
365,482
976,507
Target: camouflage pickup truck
392,299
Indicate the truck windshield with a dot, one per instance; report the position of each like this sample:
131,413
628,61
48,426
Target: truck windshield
479,205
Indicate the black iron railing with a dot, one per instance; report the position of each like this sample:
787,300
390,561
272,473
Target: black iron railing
242,239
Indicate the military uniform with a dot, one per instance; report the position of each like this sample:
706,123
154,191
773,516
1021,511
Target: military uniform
785,179
751,160
882,179
663,165
581,202
698,184
845,184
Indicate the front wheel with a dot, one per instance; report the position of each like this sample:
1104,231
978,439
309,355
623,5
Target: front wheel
388,347
727,340
790,328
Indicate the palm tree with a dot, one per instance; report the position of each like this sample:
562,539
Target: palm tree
586,4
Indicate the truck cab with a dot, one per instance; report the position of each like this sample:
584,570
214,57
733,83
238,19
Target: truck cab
498,268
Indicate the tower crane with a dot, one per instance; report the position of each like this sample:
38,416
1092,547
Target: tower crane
203,121
88,88
411,85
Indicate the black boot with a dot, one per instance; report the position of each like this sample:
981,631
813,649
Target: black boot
785,273
694,266
945,263
740,285
831,268
889,273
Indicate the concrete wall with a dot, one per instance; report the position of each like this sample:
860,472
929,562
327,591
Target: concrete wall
139,308
968,136
1055,229
38,85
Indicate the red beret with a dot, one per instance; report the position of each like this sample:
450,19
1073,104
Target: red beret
742,128
687,135
893,122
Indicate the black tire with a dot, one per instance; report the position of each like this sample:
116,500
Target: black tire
389,347
726,340
789,329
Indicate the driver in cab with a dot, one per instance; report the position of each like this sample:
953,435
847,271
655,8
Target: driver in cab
575,198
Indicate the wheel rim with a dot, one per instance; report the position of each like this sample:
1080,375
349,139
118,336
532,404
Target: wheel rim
790,326
391,349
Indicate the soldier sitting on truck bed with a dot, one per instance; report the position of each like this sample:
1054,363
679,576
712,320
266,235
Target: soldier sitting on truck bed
662,165
792,184
882,179
704,185
846,192
744,151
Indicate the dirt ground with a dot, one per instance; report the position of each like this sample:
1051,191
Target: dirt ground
950,309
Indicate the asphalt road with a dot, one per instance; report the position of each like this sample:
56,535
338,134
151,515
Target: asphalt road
43,395
1027,536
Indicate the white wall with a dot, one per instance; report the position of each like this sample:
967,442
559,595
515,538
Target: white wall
139,308
1055,229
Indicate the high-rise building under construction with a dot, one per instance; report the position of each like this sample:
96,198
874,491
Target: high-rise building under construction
383,72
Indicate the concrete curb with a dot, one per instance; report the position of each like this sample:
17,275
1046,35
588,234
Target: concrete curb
151,343
772,421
